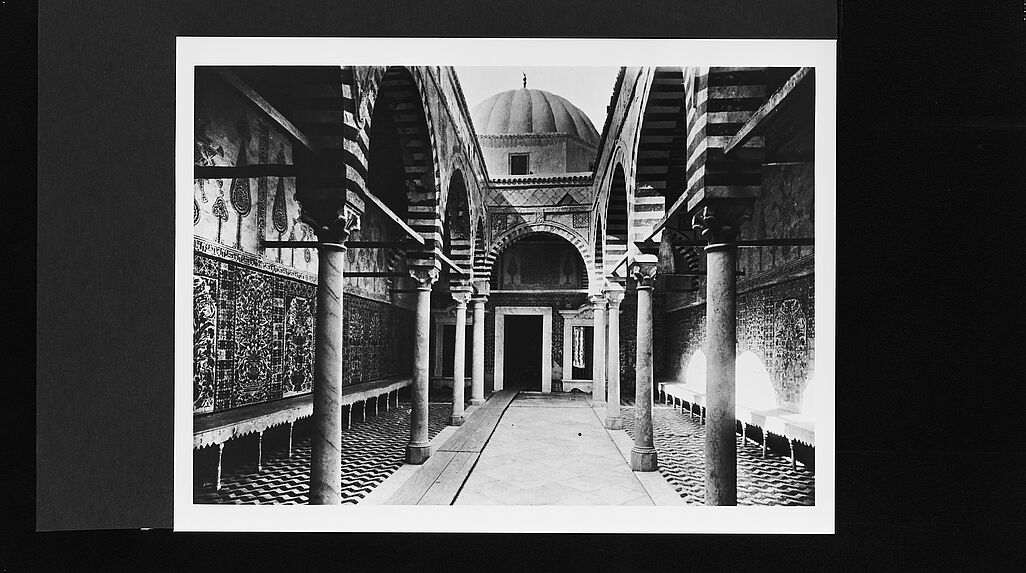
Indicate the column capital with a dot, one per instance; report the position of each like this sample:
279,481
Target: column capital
461,296
331,224
482,287
720,223
478,299
614,294
643,269
598,300
425,277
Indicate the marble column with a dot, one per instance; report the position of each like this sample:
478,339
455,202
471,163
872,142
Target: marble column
418,450
326,426
478,359
614,420
459,365
643,454
720,226
598,379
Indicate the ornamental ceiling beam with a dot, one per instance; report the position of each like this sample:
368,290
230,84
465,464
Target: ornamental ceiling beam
451,264
265,106
762,115
367,195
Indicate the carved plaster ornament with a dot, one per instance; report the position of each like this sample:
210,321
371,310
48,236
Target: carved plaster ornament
644,272
721,223
425,277
337,227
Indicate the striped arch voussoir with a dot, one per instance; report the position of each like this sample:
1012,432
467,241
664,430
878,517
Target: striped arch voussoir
504,241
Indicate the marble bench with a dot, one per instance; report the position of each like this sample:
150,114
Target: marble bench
218,428
685,393
794,425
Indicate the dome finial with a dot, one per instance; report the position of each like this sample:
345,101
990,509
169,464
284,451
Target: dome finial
525,79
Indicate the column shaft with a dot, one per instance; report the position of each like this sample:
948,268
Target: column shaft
477,366
721,325
643,454
417,451
598,384
459,366
614,421
326,434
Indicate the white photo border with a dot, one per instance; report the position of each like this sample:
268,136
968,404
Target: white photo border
224,51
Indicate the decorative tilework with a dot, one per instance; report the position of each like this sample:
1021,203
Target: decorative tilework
541,196
777,323
378,339
245,349
254,334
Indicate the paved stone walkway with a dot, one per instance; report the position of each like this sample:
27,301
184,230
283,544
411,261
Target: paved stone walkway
372,450
680,443
551,450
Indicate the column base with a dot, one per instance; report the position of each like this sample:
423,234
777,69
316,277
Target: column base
612,423
477,401
724,500
457,419
417,454
644,460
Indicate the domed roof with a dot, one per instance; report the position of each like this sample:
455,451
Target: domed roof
524,111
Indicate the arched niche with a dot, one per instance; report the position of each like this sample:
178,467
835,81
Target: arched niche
540,261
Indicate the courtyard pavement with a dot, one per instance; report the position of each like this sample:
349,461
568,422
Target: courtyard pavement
551,450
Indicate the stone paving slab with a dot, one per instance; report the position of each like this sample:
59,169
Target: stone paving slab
474,433
551,451
440,478
658,489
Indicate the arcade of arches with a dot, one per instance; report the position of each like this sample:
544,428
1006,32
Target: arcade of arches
360,235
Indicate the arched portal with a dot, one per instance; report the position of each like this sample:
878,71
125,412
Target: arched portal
480,251
457,224
536,278
400,166
617,220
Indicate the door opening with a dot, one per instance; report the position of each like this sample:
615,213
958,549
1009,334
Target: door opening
522,350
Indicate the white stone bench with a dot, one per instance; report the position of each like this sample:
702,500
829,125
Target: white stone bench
756,406
756,403
218,428
692,395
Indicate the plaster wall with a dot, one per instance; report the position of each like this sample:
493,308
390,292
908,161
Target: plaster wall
580,156
548,153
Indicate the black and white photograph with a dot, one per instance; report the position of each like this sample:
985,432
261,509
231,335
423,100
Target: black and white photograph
428,277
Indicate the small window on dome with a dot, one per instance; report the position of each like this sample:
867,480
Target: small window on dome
518,163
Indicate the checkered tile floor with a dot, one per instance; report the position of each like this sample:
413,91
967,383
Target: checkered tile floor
371,451
680,443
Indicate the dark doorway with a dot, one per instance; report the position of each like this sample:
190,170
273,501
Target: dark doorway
522,349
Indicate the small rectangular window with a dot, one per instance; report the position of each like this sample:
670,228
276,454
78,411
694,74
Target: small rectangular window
518,163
